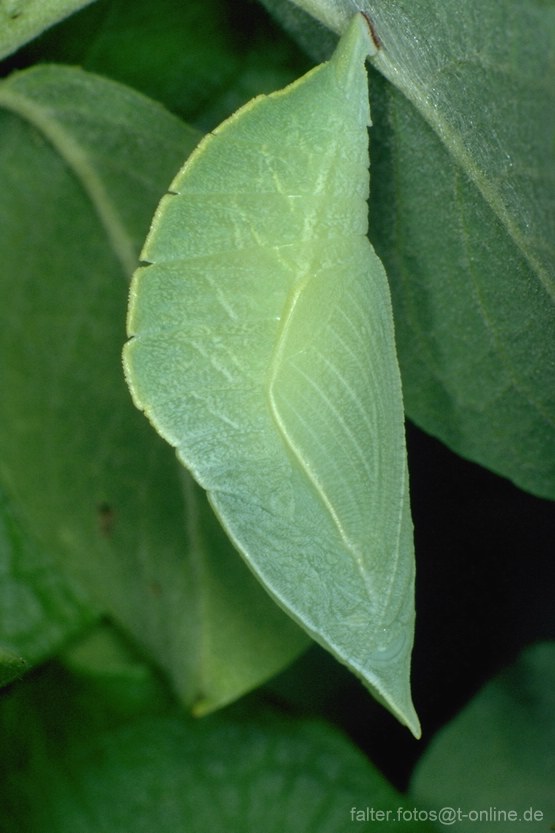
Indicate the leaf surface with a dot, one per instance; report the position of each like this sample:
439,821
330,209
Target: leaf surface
264,351
74,766
11,666
499,752
463,212
84,162
40,608
201,59
21,20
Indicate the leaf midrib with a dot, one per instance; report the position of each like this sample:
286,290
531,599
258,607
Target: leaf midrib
452,142
78,161
517,383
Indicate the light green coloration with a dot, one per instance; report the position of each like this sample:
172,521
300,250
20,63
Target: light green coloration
76,763
22,20
464,155
264,351
499,751
93,487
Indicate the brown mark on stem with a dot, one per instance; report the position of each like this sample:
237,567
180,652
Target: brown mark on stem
373,33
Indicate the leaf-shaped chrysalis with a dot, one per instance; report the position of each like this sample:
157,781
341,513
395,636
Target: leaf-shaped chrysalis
263,349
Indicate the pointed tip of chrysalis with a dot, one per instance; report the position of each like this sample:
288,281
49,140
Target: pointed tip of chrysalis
412,722
355,45
387,673
360,33
399,703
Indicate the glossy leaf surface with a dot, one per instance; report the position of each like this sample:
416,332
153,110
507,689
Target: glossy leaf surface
264,351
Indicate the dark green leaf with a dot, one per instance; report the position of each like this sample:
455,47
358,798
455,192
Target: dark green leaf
499,753
40,608
110,670
21,20
201,58
73,767
11,666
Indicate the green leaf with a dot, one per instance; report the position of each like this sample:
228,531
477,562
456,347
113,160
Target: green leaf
74,768
11,666
499,753
110,670
21,20
462,214
40,609
84,162
264,351
202,59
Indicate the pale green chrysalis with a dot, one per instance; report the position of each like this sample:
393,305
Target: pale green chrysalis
262,348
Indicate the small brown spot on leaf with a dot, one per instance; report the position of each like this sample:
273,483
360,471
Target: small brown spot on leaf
106,519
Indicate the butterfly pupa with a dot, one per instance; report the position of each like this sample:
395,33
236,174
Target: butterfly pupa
262,347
